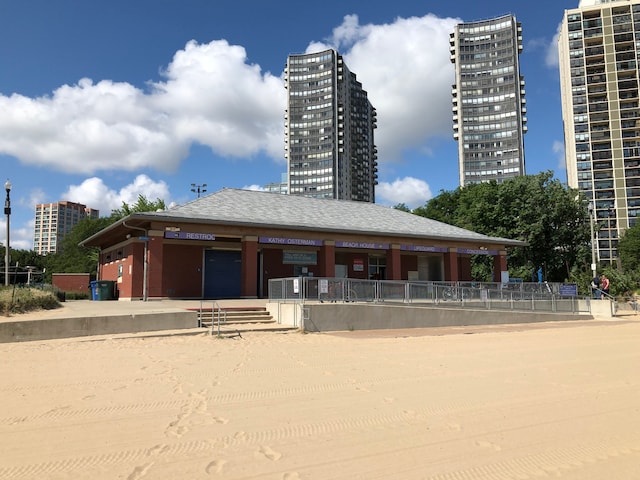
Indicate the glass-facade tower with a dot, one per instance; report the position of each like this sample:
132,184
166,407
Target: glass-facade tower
489,110
54,221
598,48
329,129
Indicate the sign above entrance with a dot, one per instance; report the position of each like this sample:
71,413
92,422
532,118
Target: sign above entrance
299,258
422,248
290,241
371,246
189,236
477,251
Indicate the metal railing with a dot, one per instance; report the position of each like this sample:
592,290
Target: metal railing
218,316
544,297
602,295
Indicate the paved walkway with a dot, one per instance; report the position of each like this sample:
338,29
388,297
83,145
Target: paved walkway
106,308
82,309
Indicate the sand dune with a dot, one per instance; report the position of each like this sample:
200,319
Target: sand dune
550,401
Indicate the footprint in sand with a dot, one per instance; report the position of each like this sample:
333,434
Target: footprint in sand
139,471
175,429
268,453
157,450
215,467
487,444
291,476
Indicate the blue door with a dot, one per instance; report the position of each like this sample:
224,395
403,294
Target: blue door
222,274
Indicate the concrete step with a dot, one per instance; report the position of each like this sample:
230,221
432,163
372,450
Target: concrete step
209,320
235,315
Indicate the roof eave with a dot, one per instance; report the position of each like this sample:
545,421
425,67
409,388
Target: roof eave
158,217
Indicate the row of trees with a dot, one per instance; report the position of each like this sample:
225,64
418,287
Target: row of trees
538,209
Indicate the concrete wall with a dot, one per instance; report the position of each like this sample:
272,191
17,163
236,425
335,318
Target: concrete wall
354,316
602,308
28,330
286,313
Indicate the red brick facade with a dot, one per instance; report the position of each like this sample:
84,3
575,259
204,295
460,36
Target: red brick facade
176,266
71,282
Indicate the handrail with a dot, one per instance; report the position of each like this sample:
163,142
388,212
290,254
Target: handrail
216,312
606,295
200,315
220,313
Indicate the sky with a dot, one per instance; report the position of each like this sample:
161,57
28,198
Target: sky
103,101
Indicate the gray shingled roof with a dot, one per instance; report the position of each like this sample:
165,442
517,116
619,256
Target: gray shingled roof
248,207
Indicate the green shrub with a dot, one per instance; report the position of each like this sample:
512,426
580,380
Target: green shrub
22,300
76,296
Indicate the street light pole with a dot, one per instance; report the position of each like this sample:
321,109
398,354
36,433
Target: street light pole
593,245
7,212
611,212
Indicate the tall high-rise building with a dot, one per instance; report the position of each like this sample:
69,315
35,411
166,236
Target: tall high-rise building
489,119
598,51
330,122
278,187
54,221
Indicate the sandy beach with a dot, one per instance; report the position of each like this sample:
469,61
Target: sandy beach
526,402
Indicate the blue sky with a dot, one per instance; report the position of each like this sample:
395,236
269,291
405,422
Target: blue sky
102,101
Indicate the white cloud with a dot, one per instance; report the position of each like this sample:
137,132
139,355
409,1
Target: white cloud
317,47
405,68
349,32
210,96
95,194
558,150
213,97
254,187
552,58
21,238
86,128
36,196
413,192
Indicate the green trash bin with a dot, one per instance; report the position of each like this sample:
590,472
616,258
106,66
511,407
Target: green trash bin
105,289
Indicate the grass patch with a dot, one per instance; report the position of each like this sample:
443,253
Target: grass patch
23,300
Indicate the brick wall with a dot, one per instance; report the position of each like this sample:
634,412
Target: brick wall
71,282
